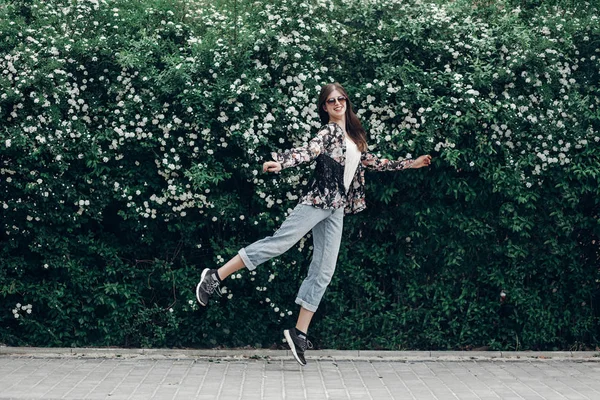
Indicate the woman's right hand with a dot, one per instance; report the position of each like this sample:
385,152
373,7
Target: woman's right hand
271,166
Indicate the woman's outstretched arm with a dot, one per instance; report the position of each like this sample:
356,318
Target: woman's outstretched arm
298,155
373,162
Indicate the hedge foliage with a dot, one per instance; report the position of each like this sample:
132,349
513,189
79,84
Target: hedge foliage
132,136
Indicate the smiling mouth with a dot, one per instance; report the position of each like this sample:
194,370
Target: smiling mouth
338,108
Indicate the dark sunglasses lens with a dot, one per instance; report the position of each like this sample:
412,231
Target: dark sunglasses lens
341,99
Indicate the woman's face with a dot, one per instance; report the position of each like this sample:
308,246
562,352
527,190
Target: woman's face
335,105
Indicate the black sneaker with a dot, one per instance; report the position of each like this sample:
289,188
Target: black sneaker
207,285
298,344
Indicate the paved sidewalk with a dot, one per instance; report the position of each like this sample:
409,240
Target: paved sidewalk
410,375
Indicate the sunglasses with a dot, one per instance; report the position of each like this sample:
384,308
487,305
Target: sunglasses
341,100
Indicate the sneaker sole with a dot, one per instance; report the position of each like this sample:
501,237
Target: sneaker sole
286,333
198,286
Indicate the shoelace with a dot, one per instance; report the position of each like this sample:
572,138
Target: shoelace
211,286
306,344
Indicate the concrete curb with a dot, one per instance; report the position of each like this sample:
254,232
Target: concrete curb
342,355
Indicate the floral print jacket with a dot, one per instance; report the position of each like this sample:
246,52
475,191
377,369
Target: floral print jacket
327,186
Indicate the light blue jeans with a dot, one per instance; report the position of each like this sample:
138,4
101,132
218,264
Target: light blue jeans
326,226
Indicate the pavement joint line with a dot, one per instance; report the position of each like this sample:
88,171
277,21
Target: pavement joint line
266,354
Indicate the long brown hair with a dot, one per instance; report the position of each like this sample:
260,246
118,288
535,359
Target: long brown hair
353,125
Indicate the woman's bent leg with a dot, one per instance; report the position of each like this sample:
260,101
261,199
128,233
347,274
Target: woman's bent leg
327,236
304,318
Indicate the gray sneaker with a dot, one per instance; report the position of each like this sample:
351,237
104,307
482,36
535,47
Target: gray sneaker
298,344
207,285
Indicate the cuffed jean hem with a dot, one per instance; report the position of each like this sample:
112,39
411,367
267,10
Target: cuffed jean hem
304,304
247,263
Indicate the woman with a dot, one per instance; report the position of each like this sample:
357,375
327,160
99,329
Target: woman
341,154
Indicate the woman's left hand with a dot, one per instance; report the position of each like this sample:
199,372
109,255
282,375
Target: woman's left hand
271,166
422,161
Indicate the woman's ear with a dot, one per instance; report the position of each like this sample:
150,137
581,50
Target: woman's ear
325,108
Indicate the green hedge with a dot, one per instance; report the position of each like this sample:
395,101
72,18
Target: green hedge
133,134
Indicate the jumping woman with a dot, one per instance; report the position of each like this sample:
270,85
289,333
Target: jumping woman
341,155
